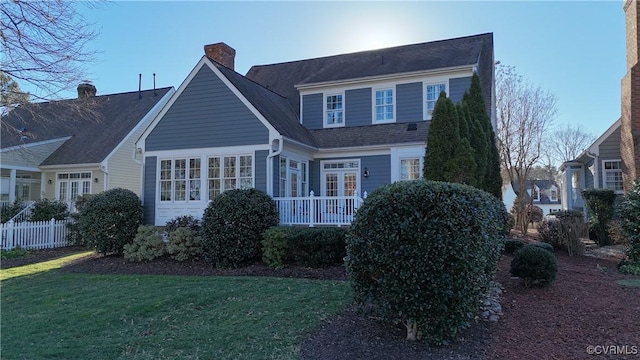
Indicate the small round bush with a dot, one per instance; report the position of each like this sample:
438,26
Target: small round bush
424,252
109,220
535,265
45,210
543,245
233,225
184,244
147,245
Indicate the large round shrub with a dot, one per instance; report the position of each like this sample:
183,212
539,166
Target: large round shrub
424,252
535,265
233,224
109,220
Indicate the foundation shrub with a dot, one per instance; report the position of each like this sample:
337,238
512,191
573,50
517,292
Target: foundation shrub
233,225
184,244
423,253
147,245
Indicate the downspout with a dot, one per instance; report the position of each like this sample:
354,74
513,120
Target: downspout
596,175
270,165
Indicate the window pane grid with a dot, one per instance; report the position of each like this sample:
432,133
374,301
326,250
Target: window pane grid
334,109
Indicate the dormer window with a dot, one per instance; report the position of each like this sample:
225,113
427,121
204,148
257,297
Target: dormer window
334,110
383,111
536,193
553,193
432,93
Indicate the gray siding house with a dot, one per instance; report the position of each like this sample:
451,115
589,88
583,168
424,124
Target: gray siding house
598,167
315,134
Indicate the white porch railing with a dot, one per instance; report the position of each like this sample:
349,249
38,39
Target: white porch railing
34,234
318,210
25,213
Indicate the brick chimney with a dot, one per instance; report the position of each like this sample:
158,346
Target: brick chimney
222,53
630,124
86,90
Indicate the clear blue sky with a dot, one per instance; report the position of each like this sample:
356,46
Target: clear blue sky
575,49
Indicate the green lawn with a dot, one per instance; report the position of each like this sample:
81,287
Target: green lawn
53,315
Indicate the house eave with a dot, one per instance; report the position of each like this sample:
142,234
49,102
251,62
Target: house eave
386,77
70,166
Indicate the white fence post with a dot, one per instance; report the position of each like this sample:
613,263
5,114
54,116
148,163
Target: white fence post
52,234
10,235
312,211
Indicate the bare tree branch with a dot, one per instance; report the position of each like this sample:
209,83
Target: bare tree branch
44,45
524,114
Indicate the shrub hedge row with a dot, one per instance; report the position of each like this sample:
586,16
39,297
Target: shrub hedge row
309,246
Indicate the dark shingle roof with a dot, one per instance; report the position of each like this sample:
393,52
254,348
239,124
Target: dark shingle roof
96,125
283,77
371,135
275,108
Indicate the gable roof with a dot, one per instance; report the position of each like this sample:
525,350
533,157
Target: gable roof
274,107
464,51
96,124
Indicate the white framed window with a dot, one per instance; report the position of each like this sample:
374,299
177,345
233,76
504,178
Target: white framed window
409,169
334,110
535,193
72,185
293,177
283,176
383,108
612,175
229,172
553,193
180,179
432,92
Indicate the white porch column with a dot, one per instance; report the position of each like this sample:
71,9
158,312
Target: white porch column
12,185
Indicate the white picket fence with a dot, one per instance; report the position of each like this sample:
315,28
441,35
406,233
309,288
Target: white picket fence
34,234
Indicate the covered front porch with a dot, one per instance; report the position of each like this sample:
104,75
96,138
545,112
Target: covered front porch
20,185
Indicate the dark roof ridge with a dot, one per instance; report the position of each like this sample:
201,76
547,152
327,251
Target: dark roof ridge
246,78
93,97
363,52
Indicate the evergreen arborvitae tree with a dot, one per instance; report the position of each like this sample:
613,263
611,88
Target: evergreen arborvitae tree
482,140
442,140
464,118
463,165
448,157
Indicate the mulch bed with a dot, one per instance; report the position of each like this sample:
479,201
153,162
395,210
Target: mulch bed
583,307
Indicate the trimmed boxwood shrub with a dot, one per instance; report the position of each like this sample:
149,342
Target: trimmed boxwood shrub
424,252
233,224
45,210
275,246
318,247
543,245
109,220
184,244
535,265
309,246
147,245
7,211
